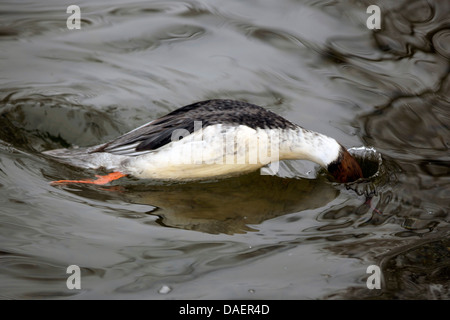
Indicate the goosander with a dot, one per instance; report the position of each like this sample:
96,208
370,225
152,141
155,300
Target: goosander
208,139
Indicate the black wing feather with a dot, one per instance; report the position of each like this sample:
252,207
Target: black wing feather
159,132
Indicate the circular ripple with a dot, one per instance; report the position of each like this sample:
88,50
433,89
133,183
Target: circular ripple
441,42
376,172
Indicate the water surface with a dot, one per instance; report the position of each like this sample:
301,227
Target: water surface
295,235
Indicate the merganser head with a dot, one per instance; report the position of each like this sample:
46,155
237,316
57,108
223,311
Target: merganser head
304,144
345,168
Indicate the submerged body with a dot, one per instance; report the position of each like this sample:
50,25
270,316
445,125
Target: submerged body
210,139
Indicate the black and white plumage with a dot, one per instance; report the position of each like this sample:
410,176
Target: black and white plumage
213,138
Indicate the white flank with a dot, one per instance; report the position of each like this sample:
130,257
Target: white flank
220,150
216,150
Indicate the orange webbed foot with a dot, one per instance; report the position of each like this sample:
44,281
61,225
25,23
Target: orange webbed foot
101,180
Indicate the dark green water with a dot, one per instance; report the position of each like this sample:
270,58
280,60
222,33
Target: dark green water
292,236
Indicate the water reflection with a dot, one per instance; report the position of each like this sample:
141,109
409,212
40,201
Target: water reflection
235,205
